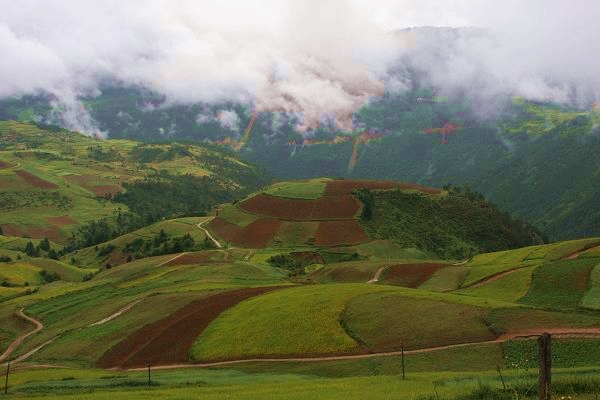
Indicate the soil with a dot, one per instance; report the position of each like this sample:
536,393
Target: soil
327,207
410,275
61,220
333,233
169,340
35,181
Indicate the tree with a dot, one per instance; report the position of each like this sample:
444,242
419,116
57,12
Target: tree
44,244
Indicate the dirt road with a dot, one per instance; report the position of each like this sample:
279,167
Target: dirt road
17,342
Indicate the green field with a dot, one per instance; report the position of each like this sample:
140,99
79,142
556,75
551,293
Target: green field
309,190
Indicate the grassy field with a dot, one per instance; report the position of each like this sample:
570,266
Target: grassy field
380,321
561,284
309,190
510,287
592,296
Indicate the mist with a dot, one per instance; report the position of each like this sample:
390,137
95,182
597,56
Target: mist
317,58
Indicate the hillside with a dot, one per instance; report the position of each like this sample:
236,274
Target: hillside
291,289
79,190
418,135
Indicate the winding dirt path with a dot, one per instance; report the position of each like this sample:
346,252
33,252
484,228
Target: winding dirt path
493,278
377,275
573,256
558,332
116,314
17,342
215,241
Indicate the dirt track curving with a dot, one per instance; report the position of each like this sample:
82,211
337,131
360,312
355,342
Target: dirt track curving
17,342
170,339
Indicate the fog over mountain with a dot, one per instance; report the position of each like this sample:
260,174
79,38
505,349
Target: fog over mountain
310,57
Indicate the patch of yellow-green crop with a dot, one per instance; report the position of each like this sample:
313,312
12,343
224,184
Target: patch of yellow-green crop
591,299
20,273
296,321
236,216
309,190
510,287
446,279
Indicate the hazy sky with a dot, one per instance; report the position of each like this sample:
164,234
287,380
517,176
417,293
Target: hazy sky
310,56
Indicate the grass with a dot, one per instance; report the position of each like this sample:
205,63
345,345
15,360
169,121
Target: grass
566,353
511,287
446,279
559,285
528,320
278,324
236,216
592,296
382,321
296,233
20,273
309,190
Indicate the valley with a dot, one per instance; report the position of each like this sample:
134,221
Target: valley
285,288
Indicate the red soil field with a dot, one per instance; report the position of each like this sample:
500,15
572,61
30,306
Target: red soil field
193,258
61,220
34,232
328,207
169,340
98,190
348,273
258,234
224,229
4,165
333,233
344,186
410,275
35,181
102,190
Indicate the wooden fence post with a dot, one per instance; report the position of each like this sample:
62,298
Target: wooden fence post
545,367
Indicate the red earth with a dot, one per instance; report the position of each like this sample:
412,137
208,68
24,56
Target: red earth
191,258
328,207
98,190
224,229
61,220
169,340
410,275
34,232
35,180
333,233
258,234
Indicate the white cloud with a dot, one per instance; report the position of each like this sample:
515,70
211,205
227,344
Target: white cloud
332,52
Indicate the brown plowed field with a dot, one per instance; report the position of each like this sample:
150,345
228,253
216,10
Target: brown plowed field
333,233
34,232
61,220
258,234
224,229
344,186
102,190
169,340
328,207
35,180
98,190
410,275
4,165
193,258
